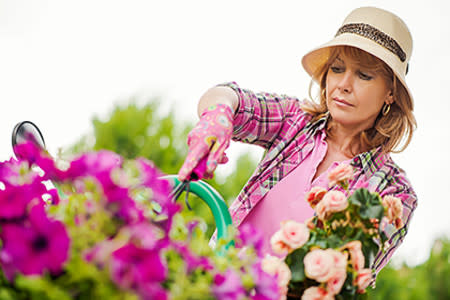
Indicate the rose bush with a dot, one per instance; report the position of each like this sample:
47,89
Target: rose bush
329,256
111,231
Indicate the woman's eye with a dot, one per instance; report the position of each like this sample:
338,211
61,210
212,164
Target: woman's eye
364,76
337,69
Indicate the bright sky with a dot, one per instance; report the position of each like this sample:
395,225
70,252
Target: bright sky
63,62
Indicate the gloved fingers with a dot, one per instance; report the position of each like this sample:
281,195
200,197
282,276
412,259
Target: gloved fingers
216,154
192,159
224,159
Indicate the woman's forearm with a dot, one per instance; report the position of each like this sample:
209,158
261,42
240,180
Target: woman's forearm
216,95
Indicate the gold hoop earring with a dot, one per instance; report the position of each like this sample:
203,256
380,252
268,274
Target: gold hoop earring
324,96
386,109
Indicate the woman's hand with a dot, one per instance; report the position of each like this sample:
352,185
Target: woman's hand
207,142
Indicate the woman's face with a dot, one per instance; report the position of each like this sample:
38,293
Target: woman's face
355,95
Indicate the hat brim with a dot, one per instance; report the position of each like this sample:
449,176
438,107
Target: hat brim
318,57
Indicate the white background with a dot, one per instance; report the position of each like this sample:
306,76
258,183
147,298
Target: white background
63,62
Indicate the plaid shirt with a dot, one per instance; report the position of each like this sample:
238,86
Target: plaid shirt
277,123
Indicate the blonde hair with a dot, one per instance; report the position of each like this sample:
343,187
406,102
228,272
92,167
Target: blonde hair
388,131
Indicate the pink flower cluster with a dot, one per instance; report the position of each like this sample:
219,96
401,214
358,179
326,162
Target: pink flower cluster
329,268
32,242
330,243
121,216
133,250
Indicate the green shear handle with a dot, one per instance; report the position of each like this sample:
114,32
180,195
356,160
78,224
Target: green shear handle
215,202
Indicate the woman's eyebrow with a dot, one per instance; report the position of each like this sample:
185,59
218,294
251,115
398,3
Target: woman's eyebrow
338,59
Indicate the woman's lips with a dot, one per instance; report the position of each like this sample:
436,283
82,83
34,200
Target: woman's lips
342,102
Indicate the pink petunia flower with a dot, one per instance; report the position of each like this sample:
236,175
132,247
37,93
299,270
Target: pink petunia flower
152,291
228,286
120,203
31,153
132,266
35,246
250,236
17,173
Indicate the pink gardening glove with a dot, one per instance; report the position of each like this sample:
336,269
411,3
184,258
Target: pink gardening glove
207,143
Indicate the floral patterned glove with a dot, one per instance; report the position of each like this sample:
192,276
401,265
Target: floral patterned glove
207,143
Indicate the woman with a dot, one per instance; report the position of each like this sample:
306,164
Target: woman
364,113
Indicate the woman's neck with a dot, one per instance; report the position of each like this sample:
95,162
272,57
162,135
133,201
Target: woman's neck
345,140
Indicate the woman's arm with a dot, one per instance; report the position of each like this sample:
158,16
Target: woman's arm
260,118
218,95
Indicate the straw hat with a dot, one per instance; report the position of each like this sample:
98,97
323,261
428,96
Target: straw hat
374,30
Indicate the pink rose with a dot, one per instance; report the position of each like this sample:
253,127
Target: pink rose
315,195
339,175
393,206
335,283
356,255
321,210
340,259
273,265
363,280
336,201
316,293
278,244
333,201
357,259
309,223
353,245
283,275
319,265
294,234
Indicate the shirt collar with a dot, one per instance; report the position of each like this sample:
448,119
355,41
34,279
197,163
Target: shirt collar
370,162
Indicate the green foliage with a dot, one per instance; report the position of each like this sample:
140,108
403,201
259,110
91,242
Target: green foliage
368,204
134,131
429,280
296,265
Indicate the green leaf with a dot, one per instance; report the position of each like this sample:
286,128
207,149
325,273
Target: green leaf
348,290
368,204
295,262
334,241
371,212
369,249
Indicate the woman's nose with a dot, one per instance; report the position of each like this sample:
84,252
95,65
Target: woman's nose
345,82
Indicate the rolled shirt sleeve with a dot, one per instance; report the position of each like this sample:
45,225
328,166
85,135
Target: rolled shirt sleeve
261,117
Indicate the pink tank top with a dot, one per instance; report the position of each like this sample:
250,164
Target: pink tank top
286,200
